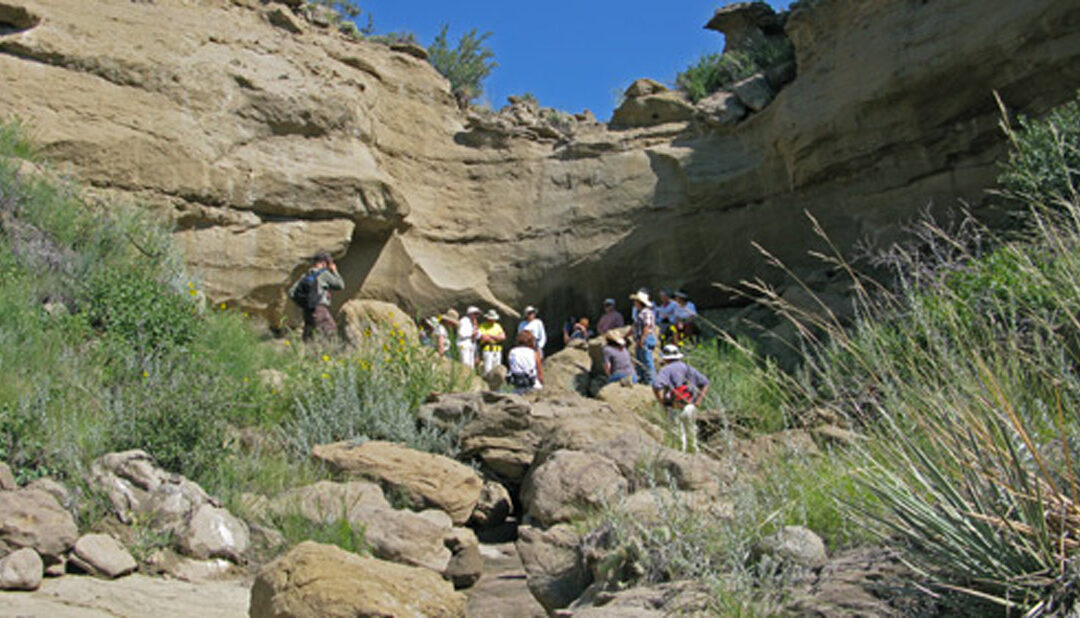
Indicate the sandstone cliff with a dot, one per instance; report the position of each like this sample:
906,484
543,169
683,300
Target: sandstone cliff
267,137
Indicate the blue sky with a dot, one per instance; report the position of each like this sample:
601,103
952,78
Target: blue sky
571,55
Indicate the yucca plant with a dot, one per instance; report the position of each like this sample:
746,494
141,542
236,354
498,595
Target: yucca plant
964,374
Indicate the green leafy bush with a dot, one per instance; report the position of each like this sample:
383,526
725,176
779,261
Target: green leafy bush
1044,164
467,65
140,310
713,72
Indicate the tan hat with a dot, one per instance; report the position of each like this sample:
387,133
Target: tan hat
643,297
472,309
451,316
614,337
492,315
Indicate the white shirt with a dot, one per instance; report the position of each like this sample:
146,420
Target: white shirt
522,360
536,327
466,331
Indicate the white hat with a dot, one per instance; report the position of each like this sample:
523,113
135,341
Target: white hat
529,309
472,309
643,297
492,315
671,353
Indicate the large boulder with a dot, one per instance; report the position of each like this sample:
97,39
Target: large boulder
754,91
102,555
22,569
406,538
646,462
360,317
326,501
213,532
556,573
137,488
494,506
31,518
569,485
323,581
653,109
722,109
466,564
636,398
506,432
568,371
428,478
794,545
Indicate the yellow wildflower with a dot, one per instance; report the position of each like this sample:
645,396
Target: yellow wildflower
222,306
326,358
326,376
145,374
193,292
287,344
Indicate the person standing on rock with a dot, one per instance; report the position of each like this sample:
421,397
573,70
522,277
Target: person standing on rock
467,334
533,324
610,319
680,389
526,368
491,338
617,362
644,336
312,293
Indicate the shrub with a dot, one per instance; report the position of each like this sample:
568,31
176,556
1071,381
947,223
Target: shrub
713,72
372,394
963,375
467,65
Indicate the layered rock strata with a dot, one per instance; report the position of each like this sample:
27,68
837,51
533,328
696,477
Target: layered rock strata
266,136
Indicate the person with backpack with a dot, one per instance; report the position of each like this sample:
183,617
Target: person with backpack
312,294
680,389
526,368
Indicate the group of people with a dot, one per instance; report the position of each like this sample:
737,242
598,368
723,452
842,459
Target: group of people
478,339
669,323
481,331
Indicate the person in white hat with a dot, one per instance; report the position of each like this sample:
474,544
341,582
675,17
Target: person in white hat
491,338
680,389
447,321
467,334
644,336
533,324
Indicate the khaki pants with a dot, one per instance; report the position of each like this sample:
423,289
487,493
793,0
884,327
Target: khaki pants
492,359
686,419
319,320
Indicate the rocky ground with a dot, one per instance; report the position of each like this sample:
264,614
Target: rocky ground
136,596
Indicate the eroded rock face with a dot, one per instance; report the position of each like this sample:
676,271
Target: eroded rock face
268,138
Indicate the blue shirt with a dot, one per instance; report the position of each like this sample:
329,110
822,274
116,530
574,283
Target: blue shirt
677,373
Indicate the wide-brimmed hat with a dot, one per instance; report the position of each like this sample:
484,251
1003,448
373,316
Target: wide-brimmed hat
614,337
451,316
433,321
492,315
472,309
528,310
671,352
642,297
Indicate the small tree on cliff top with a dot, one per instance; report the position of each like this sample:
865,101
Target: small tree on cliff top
467,65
